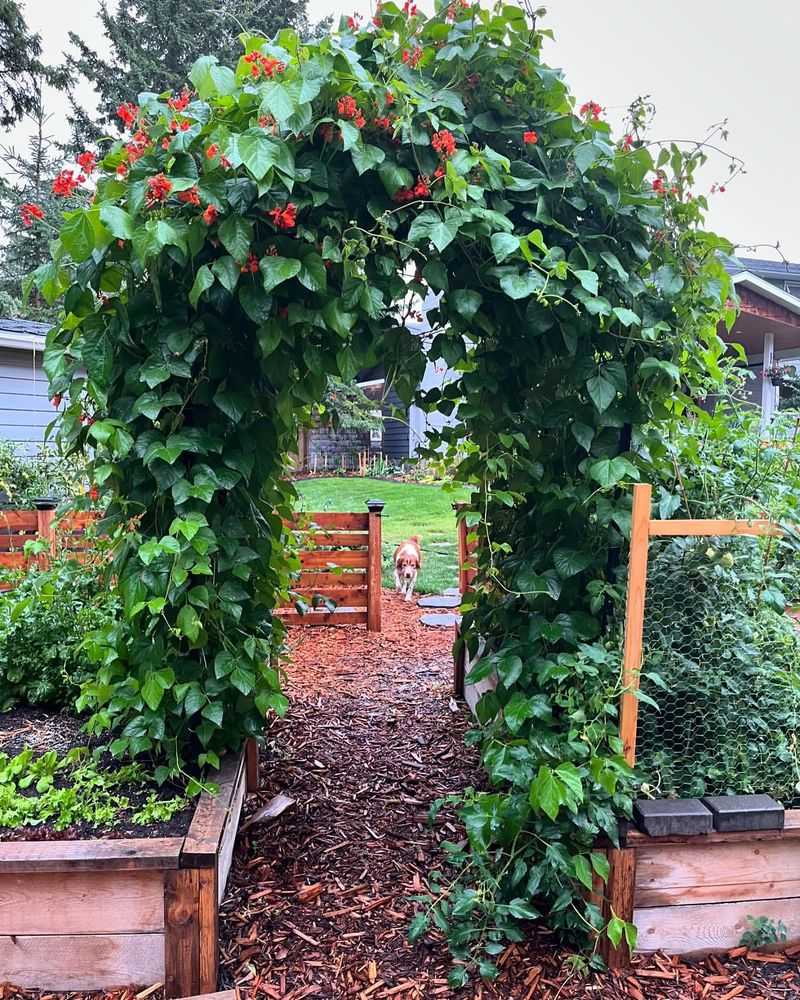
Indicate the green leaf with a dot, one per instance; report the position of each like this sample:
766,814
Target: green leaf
509,669
465,301
233,404
610,471
255,302
211,79
430,226
583,870
627,316
366,157
615,930
189,623
117,221
77,235
668,281
545,792
258,153
276,270
520,286
503,245
569,562
228,271
313,274
589,281
203,280
601,391
522,910
236,235
394,176
651,367
152,692
417,927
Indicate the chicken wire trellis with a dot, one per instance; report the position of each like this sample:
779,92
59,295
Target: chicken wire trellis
711,701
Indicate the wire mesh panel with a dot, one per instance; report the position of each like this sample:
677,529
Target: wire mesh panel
721,661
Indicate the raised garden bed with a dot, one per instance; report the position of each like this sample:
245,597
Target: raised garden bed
93,914
693,895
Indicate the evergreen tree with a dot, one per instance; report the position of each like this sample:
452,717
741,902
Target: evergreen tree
20,66
152,43
28,181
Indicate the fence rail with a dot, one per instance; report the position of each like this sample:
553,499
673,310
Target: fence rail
65,534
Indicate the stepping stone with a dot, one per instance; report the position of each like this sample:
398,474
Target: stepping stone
672,817
440,621
734,813
439,601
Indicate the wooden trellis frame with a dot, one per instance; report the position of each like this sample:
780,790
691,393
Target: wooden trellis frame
691,893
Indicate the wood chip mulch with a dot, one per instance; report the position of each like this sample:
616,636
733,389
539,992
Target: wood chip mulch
317,903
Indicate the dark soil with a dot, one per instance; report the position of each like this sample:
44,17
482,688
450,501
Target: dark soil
42,731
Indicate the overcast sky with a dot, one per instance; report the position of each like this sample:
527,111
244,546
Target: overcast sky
699,60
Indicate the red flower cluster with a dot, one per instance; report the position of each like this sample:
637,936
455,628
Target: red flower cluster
122,169
66,182
419,190
530,138
212,151
158,189
138,146
191,196
30,211
412,57
658,186
210,215
385,123
590,109
410,8
389,97
261,65
627,142
250,266
347,108
268,121
87,162
352,22
444,143
182,102
127,113
454,7
183,126
284,218
94,493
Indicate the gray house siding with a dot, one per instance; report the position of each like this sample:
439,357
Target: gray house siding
25,410
395,432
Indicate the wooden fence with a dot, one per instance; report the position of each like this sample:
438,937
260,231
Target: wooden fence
18,527
340,561
691,894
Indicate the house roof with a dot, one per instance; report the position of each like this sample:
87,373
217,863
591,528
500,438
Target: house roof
22,334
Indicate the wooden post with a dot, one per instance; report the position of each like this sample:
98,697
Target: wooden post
634,618
621,883
375,508
181,933
45,530
251,765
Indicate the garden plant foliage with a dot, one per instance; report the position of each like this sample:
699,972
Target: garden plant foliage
252,238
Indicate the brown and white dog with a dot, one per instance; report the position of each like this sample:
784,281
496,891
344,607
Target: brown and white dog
407,563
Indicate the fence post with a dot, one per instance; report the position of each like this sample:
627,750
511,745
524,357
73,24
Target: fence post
45,529
375,507
634,618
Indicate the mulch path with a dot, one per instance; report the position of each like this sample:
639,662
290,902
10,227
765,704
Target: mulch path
317,903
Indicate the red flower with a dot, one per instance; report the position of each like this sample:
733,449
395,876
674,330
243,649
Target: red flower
224,162
658,186
530,138
444,143
210,215
413,57
65,183
410,8
352,22
127,112
122,169
86,161
439,172
158,189
284,218
721,189
389,97
30,211
590,109
94,494
385,123
180,103
377,20
419,190
260,65
212,151
347,107
191,196
56,400
359,121
627,142
250,265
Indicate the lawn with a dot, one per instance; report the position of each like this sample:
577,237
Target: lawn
411,509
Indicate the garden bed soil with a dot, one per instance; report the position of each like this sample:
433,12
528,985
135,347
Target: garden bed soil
42,731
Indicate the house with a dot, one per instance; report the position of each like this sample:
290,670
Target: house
768,324
25,409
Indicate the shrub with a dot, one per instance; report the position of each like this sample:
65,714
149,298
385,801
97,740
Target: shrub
43,623
25,478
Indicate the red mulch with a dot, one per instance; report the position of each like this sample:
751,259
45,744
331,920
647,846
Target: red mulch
317,903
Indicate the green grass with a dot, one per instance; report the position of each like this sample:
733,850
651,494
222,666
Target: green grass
411,509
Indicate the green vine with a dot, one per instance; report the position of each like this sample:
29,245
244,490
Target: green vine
245,243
